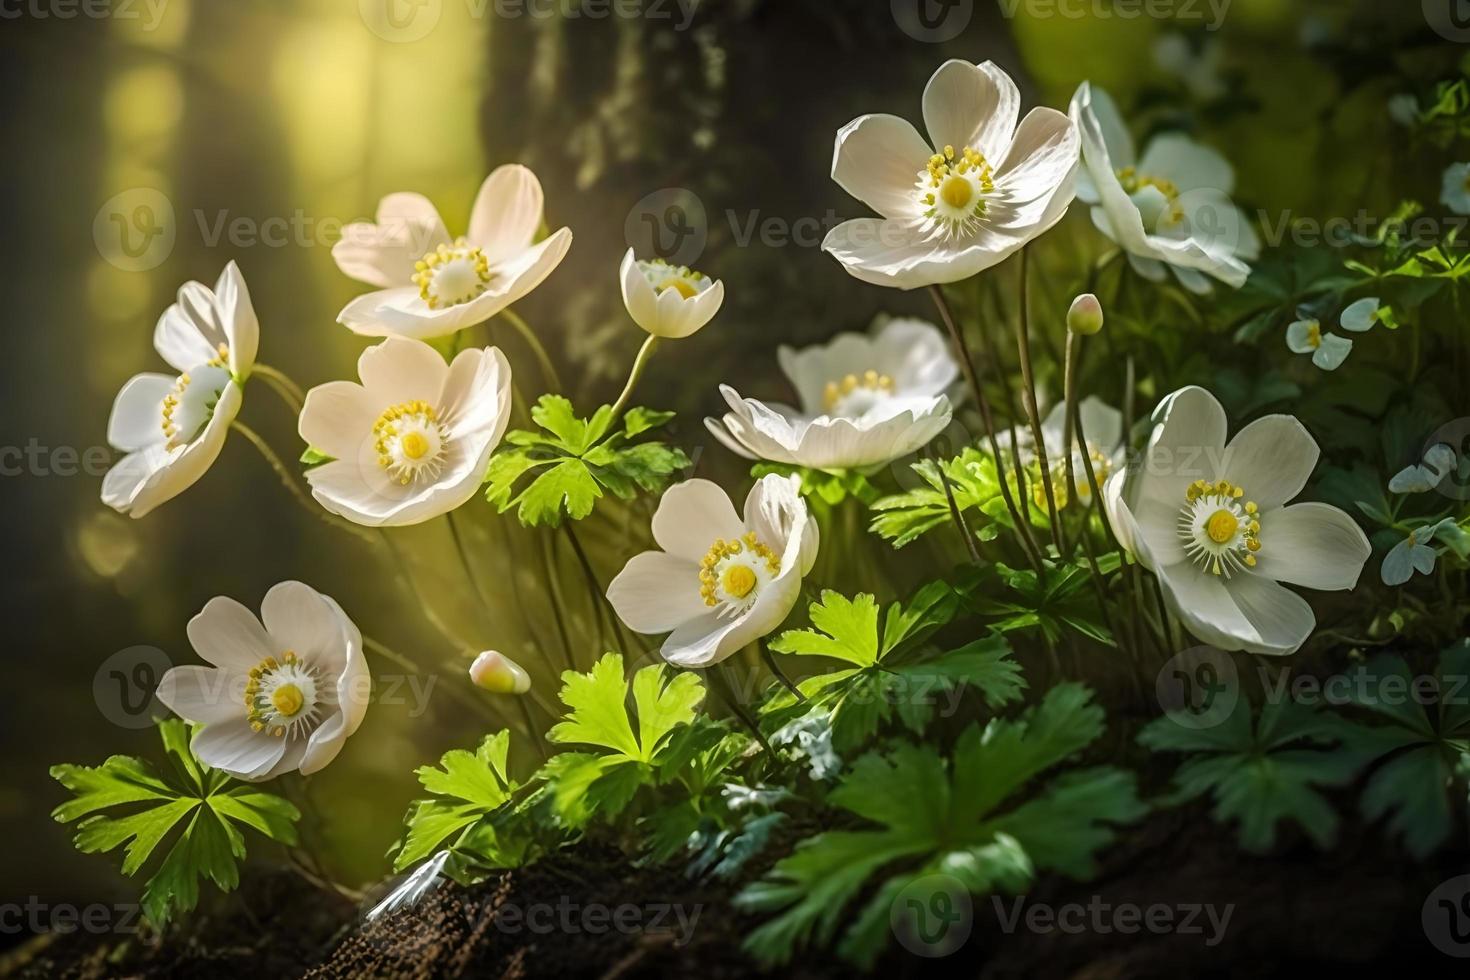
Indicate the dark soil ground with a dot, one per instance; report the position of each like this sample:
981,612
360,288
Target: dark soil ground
1355,911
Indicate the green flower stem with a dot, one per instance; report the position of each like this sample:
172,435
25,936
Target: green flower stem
1023,531
544,547
399,660
589,576
775,668
548,370
469,568
719,683
954,508
406,577
1069,388
994,358
288,480
282,384
640,363
1028,398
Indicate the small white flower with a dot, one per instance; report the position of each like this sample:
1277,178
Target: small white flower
1404,109
433,285
1362,315
865,399
1413,554
1328,350
667,300
719,581
1438,463
1211,521
498,674
978,190
172,427
1455,192
1103,426
412,441
286,690
1170,208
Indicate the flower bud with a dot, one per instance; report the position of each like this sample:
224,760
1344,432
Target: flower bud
498,674
1086,315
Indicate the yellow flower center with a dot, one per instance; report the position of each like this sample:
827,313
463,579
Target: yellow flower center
1133,182
409,440
731,571
952,188
287,699
681,279
738,580
281,696
452,274
869,386
1314,334
1222,526
189,405
1220,530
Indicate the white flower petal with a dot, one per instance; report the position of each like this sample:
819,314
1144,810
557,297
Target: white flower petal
1360,316
1247,612
144,480
230,636
235,748
1299,336
298,618
638,294
137,413
1312,544
1272,458
1282,620
1041,162
1333,351
202,695
399,370
691,515
336,417
383,254
1186,445
237,317
971,105
775,511
507,213
1189,165
477,394
656,592
877,159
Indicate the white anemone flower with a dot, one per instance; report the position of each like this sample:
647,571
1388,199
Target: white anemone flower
719,580
1103,426
866,399
1170,208
1212,521
979,189
285,691
1328,350
433,285
1455,189
669,301
413,440
172,427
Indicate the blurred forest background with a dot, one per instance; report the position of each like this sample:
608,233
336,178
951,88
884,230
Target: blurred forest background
298,116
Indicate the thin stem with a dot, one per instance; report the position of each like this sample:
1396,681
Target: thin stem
532,730
1069,388
289,482
289,390
1023,491
405,575
594,590
954,509
553,590
399,660
1022,530
469,568
1028,397
720,684
548,370
640,363
775,668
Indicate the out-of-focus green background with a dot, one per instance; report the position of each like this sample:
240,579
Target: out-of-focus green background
265,125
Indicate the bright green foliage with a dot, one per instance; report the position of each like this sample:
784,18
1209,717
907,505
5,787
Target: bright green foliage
1425,755
886,678
208,803
1259,775
574,460
632,746
1018,599
905,517
468,788
965,817
831,487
